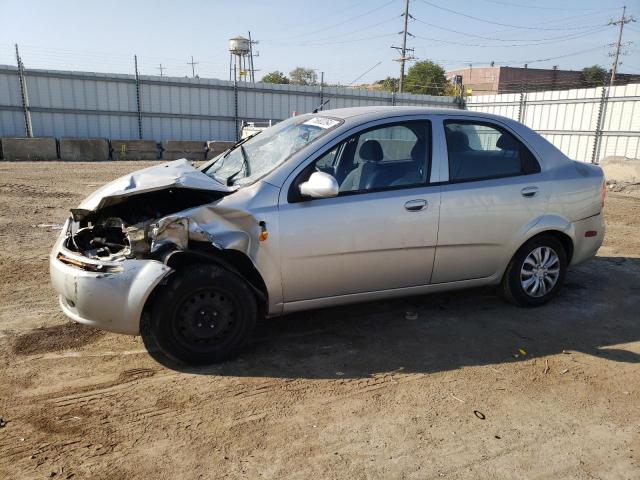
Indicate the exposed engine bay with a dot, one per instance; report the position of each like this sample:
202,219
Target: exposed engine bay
126,229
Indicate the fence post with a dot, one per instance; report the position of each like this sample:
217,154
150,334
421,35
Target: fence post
522,106
321,90
24,95
235,108
599,122
135,61
393,99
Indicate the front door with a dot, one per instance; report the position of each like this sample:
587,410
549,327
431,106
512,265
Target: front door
379,233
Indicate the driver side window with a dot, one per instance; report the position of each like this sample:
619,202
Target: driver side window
381,158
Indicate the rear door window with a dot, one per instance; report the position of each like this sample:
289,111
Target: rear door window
479,151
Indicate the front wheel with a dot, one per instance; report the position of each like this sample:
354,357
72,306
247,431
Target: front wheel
536,272
204,315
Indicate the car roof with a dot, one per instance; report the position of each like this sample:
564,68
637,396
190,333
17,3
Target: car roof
385,111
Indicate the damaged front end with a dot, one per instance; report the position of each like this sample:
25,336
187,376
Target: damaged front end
127,218
112,252
138,226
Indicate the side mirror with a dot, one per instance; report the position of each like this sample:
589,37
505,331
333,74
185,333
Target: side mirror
320,185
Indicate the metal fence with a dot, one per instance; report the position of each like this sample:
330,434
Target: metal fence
82,104
587,124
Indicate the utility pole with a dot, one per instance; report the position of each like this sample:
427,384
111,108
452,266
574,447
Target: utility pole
251,55
623,20
25,96
161,68
193,65
403,50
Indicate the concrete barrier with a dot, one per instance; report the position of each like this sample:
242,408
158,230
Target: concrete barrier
84,149
43,148
175,149
134,150
621,169
216,147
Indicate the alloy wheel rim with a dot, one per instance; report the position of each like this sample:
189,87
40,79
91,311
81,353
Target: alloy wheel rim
540,271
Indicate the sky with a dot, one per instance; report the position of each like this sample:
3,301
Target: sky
342,38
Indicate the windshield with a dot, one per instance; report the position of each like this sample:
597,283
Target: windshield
261,153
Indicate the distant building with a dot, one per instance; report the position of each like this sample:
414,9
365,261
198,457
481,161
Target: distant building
491,80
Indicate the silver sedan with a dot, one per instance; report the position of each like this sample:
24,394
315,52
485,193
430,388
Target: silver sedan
326,209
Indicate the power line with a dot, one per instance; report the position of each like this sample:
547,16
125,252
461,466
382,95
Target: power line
360,15
560,37
526,27
508,45
573,54
363,74
343,42
521,61
538,7
304,43
333,15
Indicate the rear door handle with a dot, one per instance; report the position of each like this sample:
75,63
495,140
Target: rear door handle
416,205
529,192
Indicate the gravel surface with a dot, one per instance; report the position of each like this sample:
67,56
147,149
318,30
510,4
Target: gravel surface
458,385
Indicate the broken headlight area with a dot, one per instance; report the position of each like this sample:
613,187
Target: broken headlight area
99,241
130,228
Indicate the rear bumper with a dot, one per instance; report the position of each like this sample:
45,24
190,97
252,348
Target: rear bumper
111,300
587,246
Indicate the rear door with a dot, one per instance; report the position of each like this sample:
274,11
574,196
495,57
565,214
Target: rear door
379,233
495,192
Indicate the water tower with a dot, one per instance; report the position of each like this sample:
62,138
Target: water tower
241,59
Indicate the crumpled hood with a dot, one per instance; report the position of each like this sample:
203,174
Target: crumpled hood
178,173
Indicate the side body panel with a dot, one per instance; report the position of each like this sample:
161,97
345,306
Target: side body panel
357,243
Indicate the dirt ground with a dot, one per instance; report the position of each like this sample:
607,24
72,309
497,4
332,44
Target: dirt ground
357,392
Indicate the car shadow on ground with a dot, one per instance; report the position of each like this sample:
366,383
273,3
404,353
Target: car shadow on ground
598,307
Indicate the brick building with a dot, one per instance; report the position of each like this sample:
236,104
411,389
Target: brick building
491,80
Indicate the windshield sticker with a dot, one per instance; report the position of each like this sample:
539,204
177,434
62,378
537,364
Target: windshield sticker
322,122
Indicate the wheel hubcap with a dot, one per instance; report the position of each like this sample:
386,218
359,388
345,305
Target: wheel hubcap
540,271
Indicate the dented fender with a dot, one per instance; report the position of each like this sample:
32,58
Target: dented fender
222,227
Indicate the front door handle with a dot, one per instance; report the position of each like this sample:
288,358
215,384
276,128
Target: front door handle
529,192
416,205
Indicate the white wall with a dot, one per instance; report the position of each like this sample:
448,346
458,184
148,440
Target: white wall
568,118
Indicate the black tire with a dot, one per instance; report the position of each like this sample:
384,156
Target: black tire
203,315
512,282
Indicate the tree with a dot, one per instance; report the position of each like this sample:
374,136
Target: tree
303,76
594,75
275,77
426,78
389,84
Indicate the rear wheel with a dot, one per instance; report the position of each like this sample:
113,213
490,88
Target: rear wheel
536,272
204,315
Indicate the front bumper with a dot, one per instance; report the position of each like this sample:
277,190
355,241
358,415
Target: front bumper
112,299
